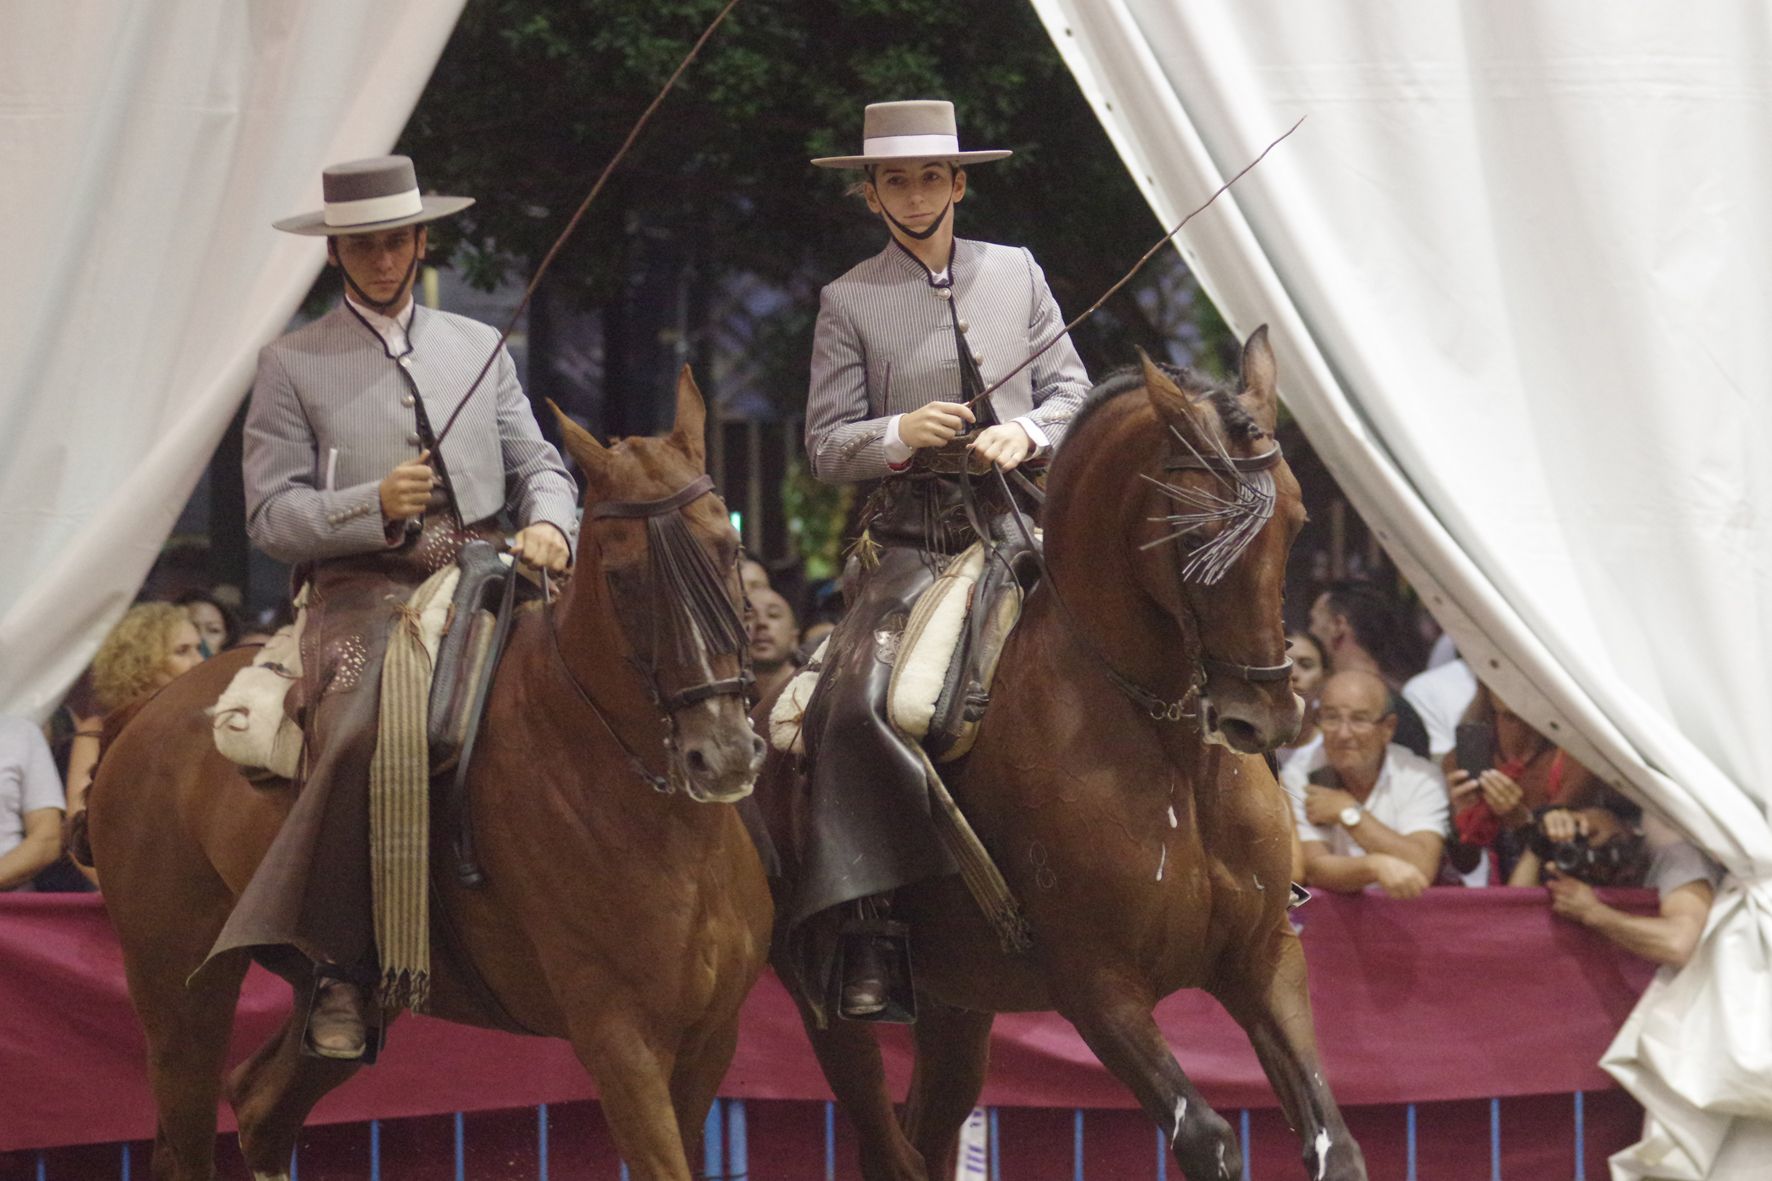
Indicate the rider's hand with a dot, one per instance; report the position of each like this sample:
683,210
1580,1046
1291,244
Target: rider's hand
1397,877
1005,445
542,546
406,490
933,424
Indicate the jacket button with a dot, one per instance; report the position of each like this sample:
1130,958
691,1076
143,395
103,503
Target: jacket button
965,327
943,293
407,401
412,439
978,358
405,362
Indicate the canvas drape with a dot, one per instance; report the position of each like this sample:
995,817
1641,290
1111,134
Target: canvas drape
1515,263
146,150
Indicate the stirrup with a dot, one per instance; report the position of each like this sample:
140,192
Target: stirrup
883,949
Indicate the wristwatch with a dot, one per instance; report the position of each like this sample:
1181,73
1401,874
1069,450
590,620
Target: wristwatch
1350,815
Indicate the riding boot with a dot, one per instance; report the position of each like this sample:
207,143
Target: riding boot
338,1020
864,976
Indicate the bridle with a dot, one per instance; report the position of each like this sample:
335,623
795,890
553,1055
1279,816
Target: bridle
1159,708
693,596
1234,466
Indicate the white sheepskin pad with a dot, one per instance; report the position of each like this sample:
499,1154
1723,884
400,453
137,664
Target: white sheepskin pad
927,648
789,712
248,721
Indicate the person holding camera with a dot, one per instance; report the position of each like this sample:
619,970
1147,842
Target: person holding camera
1572,850
1500,773
1370,813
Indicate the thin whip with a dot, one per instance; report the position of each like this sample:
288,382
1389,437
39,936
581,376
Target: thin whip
572,225
1136,267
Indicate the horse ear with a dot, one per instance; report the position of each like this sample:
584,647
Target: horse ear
580,443
1172,406
688,433
1258,394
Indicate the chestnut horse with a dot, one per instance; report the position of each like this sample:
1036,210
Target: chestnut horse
1117,780
629,920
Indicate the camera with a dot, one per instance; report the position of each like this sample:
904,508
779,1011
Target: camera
1617,862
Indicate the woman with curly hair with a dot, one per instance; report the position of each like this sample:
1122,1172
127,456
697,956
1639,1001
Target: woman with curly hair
151,645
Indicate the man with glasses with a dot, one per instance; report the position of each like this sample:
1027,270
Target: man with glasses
1370,813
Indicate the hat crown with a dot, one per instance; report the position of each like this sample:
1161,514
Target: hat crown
910,117
364,180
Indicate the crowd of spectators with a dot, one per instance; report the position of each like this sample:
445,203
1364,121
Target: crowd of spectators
1404,776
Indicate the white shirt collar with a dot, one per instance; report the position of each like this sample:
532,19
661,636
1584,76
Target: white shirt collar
393,330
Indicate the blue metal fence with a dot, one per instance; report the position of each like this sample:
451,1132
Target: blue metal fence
726,1147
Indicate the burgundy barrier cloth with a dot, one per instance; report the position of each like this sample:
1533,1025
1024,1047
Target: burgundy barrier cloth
1461,994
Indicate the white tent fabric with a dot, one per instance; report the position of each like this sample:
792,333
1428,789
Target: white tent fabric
146,150
1516,266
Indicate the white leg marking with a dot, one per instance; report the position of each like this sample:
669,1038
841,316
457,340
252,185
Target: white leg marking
1180,1114
1322,1146
1223,1171
258,1176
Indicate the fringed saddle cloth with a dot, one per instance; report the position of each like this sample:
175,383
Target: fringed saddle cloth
946,663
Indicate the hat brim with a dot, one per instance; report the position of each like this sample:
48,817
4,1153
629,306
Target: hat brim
952,157
314,224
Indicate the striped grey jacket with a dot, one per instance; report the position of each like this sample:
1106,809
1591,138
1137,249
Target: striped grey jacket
885,346
331,415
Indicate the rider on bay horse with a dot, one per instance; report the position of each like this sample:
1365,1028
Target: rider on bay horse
345,482
904,341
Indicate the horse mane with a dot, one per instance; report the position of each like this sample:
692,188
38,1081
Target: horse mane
1234,421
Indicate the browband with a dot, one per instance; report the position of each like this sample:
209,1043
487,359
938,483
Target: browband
1232,463
652,508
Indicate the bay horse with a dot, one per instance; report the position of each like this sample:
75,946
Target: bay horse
629,921
1119,783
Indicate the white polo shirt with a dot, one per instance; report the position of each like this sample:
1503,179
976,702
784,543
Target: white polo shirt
1409,797
28,779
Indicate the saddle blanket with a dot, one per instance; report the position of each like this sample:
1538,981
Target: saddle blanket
251,726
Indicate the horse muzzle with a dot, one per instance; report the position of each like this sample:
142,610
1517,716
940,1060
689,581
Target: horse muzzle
718,769
1250,718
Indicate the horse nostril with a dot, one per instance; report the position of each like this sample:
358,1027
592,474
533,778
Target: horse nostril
698,762
759,748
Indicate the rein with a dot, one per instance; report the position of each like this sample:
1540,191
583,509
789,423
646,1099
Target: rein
687,582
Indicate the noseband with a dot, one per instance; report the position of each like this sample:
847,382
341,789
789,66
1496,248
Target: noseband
694,592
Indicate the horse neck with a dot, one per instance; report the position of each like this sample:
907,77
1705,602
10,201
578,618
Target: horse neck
1089,514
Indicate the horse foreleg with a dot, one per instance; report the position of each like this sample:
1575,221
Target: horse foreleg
272,1093
696,1082
633,1084
1276,1013
849,1056
953,1055
1116,1023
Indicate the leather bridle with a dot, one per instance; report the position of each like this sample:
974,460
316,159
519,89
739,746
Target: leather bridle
668,704
1157,706
1231,465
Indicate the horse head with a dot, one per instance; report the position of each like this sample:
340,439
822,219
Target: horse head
1222,513
657,545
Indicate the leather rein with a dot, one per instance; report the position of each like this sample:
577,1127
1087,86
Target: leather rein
1159,708
667,703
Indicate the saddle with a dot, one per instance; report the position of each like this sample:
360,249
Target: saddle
254,728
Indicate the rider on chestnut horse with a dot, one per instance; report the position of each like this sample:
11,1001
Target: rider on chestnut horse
904,341
344,481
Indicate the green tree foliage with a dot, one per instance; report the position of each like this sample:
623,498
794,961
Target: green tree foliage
532,97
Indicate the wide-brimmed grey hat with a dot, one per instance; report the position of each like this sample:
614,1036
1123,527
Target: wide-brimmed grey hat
364,196
920,129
